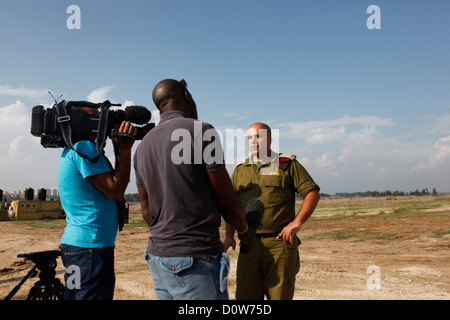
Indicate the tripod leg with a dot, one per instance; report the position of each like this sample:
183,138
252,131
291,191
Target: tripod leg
47,290
59,289
34,292
30,273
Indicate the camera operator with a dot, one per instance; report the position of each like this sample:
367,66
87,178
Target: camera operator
89,191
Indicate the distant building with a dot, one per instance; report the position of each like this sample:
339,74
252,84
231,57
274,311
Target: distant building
20,194
53,192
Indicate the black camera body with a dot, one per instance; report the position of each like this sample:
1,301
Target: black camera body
46,123
44,259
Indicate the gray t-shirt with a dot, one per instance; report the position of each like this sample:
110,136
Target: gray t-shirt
172,164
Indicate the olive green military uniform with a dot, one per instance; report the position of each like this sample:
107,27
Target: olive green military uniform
272,265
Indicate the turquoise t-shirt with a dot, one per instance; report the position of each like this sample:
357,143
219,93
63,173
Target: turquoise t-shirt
91,216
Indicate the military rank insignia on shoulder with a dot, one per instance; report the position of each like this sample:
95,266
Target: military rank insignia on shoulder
284,160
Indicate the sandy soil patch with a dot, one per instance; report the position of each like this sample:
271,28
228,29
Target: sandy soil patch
341,258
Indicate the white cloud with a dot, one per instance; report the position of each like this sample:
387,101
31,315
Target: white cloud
381,172
27,93
13,116
100,95
364,135
439,124
317,132
127,103
354,153
324,161
155,116
439,157
237,115
322,135
231,114
103,93
23,161
324,164
347,139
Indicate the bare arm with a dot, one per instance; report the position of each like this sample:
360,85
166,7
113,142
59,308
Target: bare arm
306,210
113,184
143,198
229,237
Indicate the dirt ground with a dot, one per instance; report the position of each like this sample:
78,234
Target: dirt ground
366,254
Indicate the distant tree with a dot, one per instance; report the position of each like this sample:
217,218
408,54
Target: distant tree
132,197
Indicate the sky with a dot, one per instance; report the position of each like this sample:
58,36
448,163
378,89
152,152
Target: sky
361,96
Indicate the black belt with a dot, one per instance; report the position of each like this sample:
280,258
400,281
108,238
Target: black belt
267,235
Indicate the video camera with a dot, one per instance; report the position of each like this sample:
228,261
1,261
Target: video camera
66,123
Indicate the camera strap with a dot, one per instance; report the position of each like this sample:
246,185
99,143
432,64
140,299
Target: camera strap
66,130
122,207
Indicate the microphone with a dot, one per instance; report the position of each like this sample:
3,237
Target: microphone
253,212
137,114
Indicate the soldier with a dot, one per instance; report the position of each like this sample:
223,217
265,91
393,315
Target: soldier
270,268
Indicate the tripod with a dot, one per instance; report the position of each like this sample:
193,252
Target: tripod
47,287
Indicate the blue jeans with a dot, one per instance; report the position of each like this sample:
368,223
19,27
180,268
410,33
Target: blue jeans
186,278
90,273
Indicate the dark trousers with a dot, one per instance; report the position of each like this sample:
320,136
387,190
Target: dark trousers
90,273
268,270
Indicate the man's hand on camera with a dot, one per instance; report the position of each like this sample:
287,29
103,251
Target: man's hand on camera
114,183
124,137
